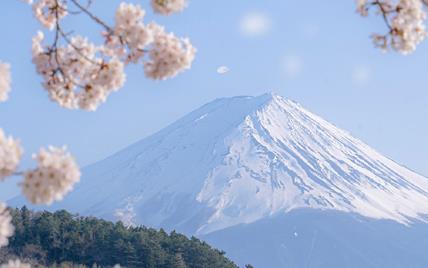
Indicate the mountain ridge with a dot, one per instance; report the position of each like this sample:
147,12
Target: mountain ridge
238,160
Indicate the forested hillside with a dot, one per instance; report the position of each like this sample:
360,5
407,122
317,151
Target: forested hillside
48,238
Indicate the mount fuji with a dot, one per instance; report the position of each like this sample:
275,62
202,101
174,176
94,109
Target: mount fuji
268,181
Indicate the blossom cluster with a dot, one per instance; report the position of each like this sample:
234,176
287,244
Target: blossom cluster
49,12
6,227
408,25
80,75
405,20
54,177
169,55
10,155
4,81
130,30
167,7
15,264
75,76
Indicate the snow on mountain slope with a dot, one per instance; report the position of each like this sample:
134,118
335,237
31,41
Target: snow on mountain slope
242,159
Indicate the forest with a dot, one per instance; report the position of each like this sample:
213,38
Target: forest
61,239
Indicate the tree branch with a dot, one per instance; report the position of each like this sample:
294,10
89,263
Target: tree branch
91,15
384,13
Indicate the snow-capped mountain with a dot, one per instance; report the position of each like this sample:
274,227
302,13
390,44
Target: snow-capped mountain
269,182
242,159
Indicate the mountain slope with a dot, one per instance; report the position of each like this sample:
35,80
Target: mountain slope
320,239
242,159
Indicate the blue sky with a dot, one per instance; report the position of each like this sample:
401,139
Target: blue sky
315,53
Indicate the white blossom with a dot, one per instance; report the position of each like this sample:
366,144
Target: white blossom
167,7
15,264
362,7
408,26
77,75
128,15
168,55
49,12
405,20
5,81
54,177
130,30
10,155
6,227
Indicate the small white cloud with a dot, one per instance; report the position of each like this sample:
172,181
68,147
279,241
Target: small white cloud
223,69
361,75
293,66
255,24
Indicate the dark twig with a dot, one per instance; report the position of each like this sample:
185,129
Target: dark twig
91,15
384,14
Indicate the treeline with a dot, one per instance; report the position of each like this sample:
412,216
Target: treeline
51,238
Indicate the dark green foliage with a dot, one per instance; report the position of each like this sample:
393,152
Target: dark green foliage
62,237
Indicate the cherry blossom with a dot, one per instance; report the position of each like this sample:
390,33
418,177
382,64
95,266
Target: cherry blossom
54,177
169,55
4,81
49,12
167,7
78,74
405,20
10,155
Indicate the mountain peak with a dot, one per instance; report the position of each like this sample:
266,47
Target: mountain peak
272,97
238,160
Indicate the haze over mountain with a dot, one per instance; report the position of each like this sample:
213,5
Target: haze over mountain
239,163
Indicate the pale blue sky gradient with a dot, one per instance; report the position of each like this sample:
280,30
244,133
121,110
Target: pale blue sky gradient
315,53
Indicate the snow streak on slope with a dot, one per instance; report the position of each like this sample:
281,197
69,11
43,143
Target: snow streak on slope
242,159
